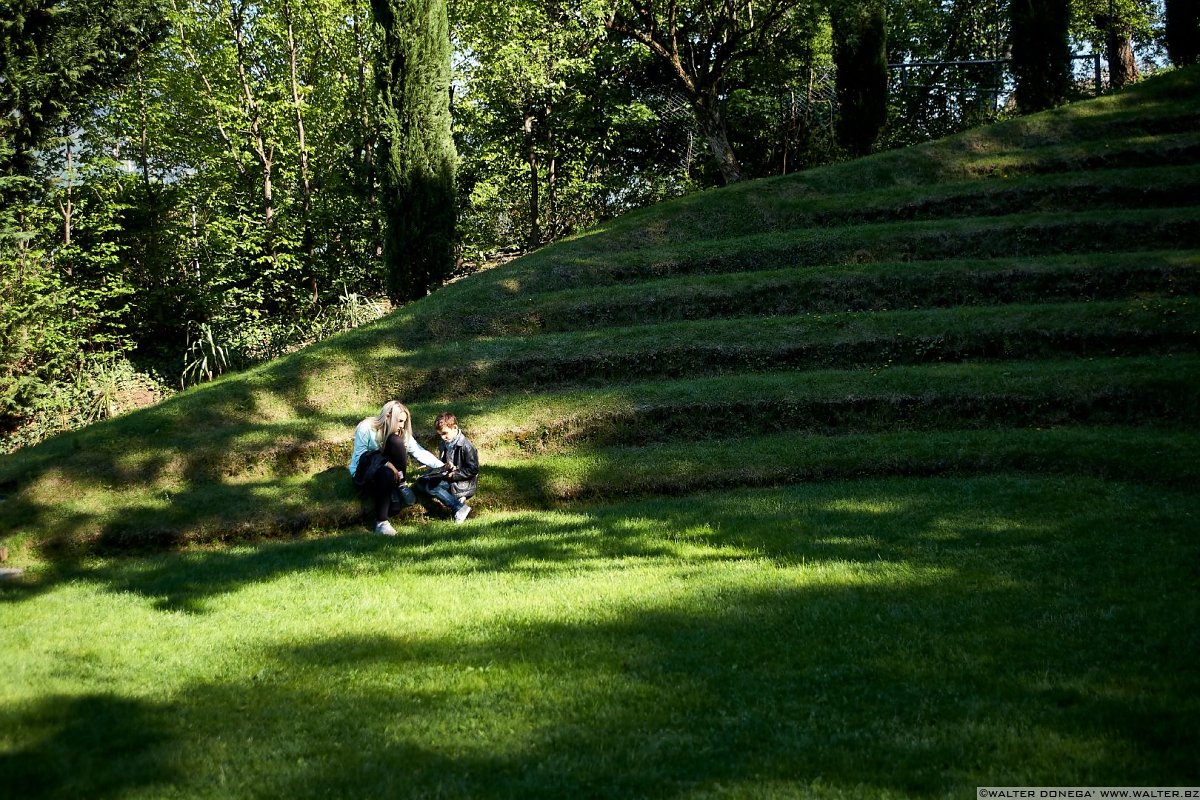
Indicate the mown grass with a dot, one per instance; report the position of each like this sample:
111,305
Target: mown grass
845,287
894,638
1155,124
872,481
1025,234
286,476
155,513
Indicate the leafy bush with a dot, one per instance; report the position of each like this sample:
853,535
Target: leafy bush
101,386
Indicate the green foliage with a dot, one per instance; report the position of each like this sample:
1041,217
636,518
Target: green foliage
1140,20
860,54
1183,32
1041,55
416,146
205,358
683,38
55,55
233,341
931,102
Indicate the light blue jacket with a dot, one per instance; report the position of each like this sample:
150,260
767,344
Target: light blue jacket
364,442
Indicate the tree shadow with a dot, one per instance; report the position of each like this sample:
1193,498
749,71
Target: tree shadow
666,703
945,676
917,690
528,542
91,746
865,522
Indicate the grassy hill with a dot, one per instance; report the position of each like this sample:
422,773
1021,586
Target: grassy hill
1010,298
873,481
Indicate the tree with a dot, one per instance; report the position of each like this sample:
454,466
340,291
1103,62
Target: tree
1183,32
700,40
860,54
55,54
1041,53
522,62
416,146
1112,27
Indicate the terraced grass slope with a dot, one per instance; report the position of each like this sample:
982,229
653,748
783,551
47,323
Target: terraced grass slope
1019,298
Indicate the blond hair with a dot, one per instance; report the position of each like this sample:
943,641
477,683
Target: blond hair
388,422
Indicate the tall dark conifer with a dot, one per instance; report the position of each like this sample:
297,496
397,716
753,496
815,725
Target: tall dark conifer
55,55
417,155
1041,53
1183,32
860,54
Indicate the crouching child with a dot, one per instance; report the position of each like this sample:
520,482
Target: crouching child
461,474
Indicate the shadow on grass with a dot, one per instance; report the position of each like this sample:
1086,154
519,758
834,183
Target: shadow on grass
89,746
882,638
532,543
917,689
887,695
867,522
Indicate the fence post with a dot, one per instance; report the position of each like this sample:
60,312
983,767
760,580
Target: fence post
1096,62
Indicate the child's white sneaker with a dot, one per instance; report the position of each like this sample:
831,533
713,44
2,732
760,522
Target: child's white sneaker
460,516
385,528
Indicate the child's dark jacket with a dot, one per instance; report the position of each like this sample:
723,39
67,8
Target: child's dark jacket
465,458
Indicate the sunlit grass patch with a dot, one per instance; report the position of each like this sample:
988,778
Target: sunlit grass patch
835,640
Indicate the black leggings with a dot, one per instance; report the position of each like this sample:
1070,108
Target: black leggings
380,487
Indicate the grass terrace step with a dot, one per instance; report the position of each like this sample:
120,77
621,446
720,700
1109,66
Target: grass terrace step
295,477
205,511
1031,234
1165,176
810,329
1148,390
1159,187
813,341
1153,124
1152,390
858,287
1137,454
768,205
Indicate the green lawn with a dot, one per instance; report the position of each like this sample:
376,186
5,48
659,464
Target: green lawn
892,638
876,480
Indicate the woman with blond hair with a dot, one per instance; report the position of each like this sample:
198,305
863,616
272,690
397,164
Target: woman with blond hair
379,462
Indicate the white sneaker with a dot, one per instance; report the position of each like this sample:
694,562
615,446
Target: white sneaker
460,516
385,528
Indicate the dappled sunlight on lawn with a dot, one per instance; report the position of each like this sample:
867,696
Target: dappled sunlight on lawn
799,639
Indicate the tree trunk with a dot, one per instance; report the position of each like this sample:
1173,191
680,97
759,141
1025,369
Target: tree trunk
416,151
144,126
1183,32
551,178
1041,55
305,183
860,55
152,235
218,117
367,153
712,126
258,144
535,231
1122,68
66,206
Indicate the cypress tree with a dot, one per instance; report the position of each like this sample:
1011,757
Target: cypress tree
1041,53
1183,32
417,153
56,55
860,55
